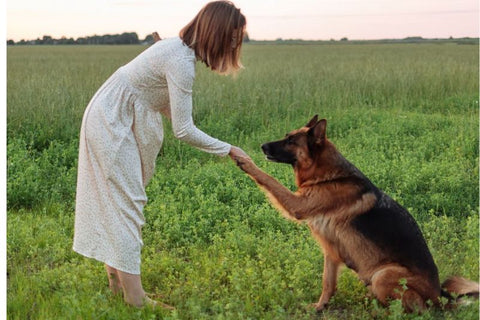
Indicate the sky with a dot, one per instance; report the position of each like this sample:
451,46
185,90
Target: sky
266,19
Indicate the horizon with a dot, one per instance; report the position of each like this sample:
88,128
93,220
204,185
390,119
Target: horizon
266,20
140,38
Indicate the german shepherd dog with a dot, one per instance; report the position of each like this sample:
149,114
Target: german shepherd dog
355,223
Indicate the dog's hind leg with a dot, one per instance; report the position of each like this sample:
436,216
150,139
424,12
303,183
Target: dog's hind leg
330,275
386,285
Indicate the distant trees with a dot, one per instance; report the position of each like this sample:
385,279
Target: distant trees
246,37
124,38
149,39
111,39
132,38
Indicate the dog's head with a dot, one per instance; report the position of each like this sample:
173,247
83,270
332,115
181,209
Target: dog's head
299,146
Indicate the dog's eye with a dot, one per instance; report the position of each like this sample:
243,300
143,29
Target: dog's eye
290,140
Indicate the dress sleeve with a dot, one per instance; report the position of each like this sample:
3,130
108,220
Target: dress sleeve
180,78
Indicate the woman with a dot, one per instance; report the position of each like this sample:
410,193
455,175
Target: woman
122,133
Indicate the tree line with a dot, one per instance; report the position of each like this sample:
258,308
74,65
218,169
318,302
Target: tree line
124,38
132,38
111,39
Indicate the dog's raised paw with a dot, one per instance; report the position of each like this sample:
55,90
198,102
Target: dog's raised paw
244,163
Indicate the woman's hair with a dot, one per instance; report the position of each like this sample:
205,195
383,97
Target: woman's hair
216,34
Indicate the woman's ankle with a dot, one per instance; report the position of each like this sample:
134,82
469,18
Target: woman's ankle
115,288
135,300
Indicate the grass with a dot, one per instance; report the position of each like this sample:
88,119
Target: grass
406,115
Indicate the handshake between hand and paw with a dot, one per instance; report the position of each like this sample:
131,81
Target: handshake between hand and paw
241,159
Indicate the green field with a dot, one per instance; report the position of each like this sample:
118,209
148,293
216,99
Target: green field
405,114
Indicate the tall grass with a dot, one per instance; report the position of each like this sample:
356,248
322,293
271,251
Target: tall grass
406,115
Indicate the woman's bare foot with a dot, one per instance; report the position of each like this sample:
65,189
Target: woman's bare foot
133,292
156,304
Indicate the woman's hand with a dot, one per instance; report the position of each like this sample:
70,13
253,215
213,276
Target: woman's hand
236,152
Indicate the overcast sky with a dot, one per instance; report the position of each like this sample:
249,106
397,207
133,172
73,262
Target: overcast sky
266,19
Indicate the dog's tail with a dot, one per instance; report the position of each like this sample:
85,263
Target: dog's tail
457,288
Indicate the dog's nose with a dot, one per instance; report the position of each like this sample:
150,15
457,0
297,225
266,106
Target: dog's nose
265,148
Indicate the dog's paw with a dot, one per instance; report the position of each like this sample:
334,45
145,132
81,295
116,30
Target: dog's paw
246,164
319,307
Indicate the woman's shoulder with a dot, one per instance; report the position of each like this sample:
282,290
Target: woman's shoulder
175,46
180,54
179,61
173,41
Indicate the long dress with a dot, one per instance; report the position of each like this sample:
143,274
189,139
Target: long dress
120,138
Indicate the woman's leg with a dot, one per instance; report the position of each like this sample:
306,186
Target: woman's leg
132,289
131,285
113,279
133,293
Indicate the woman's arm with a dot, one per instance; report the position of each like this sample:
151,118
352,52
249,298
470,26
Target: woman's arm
180,82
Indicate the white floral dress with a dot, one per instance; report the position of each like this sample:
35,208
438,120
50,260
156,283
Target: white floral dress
120,138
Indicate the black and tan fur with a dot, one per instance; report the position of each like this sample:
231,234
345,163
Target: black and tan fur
355,223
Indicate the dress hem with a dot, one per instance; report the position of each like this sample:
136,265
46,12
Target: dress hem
105,261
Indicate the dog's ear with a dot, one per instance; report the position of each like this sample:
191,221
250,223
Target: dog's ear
319,131
312,122
156,37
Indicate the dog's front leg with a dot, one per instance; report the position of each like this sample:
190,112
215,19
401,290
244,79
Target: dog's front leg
330,274
291,204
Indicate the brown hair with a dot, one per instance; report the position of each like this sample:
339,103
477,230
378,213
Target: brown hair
216,34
